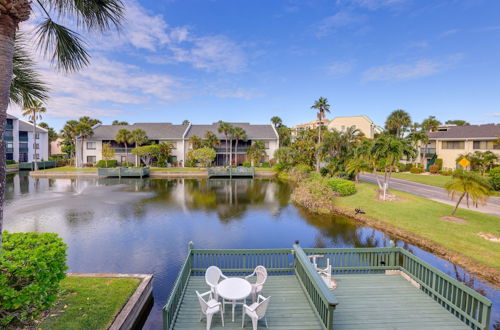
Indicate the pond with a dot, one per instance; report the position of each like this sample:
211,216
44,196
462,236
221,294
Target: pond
144,225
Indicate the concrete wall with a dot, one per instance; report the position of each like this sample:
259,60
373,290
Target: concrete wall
360,122
43,146
273,146
449,156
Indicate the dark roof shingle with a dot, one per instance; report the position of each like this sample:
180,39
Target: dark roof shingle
154,131
253,131
468,132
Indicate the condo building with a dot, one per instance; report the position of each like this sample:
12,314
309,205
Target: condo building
20,143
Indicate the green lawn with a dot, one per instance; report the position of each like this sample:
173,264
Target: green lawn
69,169
89,302
422,216
13,166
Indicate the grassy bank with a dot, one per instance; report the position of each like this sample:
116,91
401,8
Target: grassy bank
177,169
89,303
69,169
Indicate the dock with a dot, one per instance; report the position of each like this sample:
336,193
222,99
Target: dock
377,288
123,172
231,172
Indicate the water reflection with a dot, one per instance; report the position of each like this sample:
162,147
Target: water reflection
143,226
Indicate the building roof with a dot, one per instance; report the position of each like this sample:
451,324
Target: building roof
360,116
154,131
253,131
25,126
487,131
313,123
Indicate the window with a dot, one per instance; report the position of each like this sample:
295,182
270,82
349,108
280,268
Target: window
10,145
36,146
266,143
23,146
453,144
123,159
91,159
91,145
37,135
486,145
36,156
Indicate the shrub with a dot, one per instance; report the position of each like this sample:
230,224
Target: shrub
88,165
495,177
446,172
265,164
408,167
111,163
401,167
434,169
62,162
161,164
31,267
247,164
299,172
439,163
127,164
315,195
416,170
341,186
324,171
10,161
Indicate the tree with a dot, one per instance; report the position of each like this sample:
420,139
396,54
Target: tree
185,122
84,131
211,140
398,122
225,128
419,138
204,156
457,122
69,134
196,142
285,135
165,151
239,134
322,106
256,151
480,161
470,186
386,151
147,153
138,137
124,136
34,111
361,159
121,123
276,121
107,152
283,155
430,124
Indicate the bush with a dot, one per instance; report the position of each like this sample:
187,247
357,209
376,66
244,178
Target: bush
324,171
341,186
247,164
88,165
439,163
408,167
416,170
31,267
299,172
10,161
401,167
446,172
434,169
265,164
127,164
111,163
62,162
495,177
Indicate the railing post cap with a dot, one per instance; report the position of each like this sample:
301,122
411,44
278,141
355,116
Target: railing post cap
392,244
190,245
297,242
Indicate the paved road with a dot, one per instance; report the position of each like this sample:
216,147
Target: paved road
435,193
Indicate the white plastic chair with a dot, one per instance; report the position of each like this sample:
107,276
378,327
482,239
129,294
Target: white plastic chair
261,273
256,311
212,277
325,273
210,307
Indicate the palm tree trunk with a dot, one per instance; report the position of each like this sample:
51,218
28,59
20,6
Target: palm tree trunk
225,158
231,152
7,33
35,165
458,203
236,153
81,149
136,157
126,155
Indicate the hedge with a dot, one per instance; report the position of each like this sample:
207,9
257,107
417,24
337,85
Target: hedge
341,186
416,170
434,169
31,267
111,163
495,177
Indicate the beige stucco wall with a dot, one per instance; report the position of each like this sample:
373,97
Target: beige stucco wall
360,122
449,156
273,146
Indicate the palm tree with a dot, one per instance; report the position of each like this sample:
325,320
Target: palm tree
211,140
124,136
63,46
84,131
419,138
276,121
34,112
196,142
398,122
239,135
322,106
138,137
470,186
457,122
256,151
225,128
430,124
185,122
118,122
69,134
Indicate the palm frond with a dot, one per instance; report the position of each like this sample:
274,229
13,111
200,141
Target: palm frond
27,85
90,14
65,47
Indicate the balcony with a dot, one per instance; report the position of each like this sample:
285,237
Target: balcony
222,150
9,127
8,138
23,139
428,151
23,150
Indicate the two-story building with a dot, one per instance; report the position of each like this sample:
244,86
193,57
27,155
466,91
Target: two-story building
178,136
362,123
20,143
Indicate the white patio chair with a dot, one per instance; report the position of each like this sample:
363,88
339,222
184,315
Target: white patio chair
212,277
256,311
325,273
261,273
209,308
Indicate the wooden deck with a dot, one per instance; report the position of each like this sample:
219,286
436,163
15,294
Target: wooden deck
379,301
367,301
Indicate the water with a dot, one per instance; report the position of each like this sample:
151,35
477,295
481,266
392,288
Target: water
144,225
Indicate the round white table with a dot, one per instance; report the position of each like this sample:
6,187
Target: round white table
234,289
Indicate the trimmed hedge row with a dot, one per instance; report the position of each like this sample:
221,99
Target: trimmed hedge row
341,186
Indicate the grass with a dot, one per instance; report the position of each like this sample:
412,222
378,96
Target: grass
69,169
431,180
13,166
422,216
89,302
177,169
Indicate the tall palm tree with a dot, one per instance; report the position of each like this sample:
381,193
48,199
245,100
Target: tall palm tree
124,136
225,128
63,46
211,140
138,137
430,124
419,138
398,122
256,151
69,134
34,111
276,121
196,142
470,186
239,135
84,131
322,106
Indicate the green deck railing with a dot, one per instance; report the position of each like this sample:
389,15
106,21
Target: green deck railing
120,172
41,165
231,172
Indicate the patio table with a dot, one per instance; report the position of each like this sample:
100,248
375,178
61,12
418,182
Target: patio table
234,289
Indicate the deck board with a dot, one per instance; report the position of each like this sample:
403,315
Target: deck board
366,301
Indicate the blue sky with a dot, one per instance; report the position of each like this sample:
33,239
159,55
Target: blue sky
250,60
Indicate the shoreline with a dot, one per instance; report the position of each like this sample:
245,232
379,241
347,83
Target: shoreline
153,174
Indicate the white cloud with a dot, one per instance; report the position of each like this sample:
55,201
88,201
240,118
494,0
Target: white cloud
375,4
237,93
340,68
413,70
341,19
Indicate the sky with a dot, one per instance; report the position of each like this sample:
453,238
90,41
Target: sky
246,61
